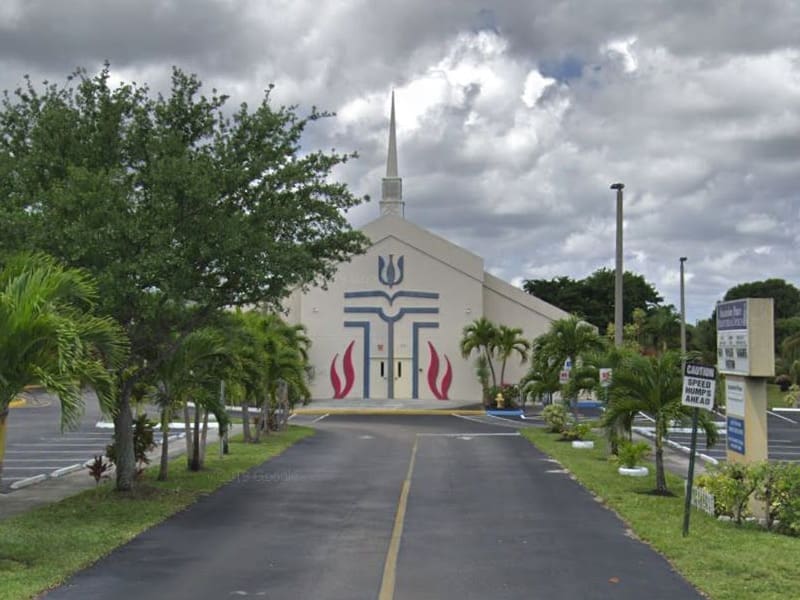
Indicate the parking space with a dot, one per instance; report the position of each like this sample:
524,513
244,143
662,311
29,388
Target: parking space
783,439
35,444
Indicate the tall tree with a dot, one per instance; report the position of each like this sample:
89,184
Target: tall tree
178,207
786,295
592,298
49,336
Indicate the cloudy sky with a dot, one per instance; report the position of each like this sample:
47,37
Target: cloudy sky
513,117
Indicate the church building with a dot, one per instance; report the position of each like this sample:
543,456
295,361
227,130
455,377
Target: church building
389,324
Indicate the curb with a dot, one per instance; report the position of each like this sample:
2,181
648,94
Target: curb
676,446
17,403
22,483
386,411
66,470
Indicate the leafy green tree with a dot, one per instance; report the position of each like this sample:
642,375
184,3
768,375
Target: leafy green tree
49,336
481,336
652,385
785,295
178,207
592,298
702,338
509,341
662,328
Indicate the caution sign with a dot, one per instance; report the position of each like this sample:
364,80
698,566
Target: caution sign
699,385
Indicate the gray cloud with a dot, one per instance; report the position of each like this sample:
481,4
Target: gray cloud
513,119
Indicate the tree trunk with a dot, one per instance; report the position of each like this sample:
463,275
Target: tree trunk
259,424
266,417
203,438
123,441
3,421
164,466
491,366
187,428
661,480
246,422
194,465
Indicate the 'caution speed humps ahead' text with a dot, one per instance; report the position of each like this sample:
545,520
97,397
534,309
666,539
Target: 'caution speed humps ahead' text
699,385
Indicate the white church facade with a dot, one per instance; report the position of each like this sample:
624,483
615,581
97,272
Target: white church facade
389,324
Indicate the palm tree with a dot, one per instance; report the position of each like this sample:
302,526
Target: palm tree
183,377
49,337
542,378
480,336
508,341
567,339
652,385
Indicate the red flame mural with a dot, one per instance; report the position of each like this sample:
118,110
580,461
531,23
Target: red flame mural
441,389
340,391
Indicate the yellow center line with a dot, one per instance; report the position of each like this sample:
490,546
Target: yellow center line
390,566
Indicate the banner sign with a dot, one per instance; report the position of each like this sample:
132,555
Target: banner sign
736,434
732,337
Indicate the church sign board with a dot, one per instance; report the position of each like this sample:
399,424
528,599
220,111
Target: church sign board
745,342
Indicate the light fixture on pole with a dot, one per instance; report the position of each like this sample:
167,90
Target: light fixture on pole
618,273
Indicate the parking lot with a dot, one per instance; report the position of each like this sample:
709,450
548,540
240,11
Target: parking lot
783,435
35,444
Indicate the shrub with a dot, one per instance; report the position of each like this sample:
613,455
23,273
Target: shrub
786,497
631,454
98,467
783,382
555,416
575,431
732,484
143,442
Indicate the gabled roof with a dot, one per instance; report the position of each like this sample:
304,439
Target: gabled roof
438,248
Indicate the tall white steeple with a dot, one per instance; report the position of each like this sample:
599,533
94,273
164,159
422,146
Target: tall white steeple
392,198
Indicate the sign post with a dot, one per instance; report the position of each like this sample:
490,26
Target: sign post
746,356
605,380
699,385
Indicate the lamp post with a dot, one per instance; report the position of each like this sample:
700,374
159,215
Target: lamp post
618,270
683,312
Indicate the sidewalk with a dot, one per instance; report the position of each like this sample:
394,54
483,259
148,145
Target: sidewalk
53,490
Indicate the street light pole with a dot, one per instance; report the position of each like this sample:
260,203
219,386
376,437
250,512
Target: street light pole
618,270
683,312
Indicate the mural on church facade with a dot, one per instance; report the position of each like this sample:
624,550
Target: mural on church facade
415,310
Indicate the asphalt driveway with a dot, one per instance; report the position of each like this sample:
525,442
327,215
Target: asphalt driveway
410,507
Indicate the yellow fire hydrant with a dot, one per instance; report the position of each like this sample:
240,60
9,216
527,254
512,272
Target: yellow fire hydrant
501,402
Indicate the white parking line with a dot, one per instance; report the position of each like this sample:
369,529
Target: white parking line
19,460
318,419
67,444
44,468
39,451
774,414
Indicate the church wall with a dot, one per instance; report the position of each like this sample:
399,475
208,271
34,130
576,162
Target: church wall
507,305
419,294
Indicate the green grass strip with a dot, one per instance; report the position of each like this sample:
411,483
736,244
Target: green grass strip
721,559
43,547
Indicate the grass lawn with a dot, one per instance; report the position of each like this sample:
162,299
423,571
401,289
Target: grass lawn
722,560
41,548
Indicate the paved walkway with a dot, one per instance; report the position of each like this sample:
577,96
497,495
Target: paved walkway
391,507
